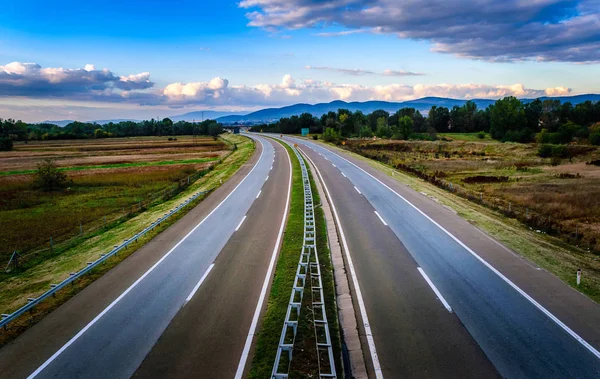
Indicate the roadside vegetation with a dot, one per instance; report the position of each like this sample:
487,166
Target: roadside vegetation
71,255
304,363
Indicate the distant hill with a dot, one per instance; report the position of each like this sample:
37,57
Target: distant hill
204,115
100,122
423,105
274,114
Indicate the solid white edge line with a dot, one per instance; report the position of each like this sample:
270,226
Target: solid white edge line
381,218
435,290
357,190
359,298
267,178
109,307
244,358
583,342
240,224
259,192
199,283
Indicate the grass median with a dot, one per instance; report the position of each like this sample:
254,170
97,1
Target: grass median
304,362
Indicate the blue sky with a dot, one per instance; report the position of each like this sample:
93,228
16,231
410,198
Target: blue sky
87,60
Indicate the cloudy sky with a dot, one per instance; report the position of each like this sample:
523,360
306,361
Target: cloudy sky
134,59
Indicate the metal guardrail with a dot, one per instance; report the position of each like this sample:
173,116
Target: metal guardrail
312,269
32,302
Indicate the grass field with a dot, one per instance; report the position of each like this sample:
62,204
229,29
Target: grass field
18,286
110,178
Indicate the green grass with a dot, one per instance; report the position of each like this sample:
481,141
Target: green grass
471,137
119,165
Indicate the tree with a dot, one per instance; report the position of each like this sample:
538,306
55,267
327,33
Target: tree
48,177
405,125
6,144
508,121
383,130
331,135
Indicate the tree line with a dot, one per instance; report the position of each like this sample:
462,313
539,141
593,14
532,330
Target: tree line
508,119
11,130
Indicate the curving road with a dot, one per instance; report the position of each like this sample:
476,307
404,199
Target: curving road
440,298
214,260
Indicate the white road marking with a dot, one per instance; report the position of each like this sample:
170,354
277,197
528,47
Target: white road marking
271,168
359,298
240,224
244,358
111,305
199,283
333,165
267,178
357,190
381,218
344,175
434,288
583,342
259,192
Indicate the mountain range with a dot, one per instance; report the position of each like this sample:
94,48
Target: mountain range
273,114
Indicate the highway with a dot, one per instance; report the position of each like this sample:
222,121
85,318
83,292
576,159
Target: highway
438,298
200,285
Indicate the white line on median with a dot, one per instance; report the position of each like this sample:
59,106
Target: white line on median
381,218
245,353
359,298
357,190
259,192
434,288
199,283
111,305
556,320
240,224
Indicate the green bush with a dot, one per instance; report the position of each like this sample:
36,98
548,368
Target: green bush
545,151
481,135
560,151
330,135
6,144
48,177
595,139
315,137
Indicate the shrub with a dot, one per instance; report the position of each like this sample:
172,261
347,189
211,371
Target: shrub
6,144
315,137
560,151
595,139
330,135
48,177
481,135
545,151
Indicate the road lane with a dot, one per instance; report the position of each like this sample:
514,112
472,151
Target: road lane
208,335
519,338
114,343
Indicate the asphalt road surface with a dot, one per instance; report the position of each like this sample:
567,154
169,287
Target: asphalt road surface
441,298
216,263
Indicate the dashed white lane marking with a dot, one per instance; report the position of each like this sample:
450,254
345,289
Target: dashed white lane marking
240,224
259,192
434,288
381,218
357,190
199,283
